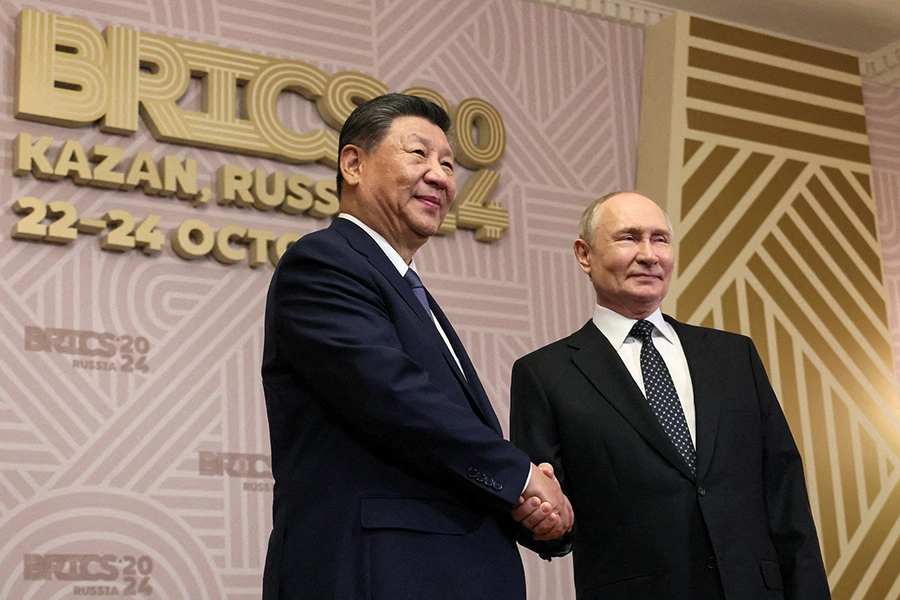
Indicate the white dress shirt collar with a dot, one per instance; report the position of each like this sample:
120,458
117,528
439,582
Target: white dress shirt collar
389,251
617,327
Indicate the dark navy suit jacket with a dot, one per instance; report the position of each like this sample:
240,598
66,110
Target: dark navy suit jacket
645,526
392,477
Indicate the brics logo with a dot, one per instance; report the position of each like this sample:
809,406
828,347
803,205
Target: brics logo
71,75
246,466
98,348
100,570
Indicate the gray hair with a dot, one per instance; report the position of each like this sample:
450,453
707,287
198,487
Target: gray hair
586,225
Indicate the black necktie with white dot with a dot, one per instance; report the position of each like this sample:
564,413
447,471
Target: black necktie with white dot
661,394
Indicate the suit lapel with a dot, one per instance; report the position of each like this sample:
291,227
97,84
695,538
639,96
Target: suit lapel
365,245
595,357
470,383
702,363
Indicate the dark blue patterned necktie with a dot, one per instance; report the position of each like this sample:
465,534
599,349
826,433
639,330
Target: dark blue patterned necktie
418,289
661,394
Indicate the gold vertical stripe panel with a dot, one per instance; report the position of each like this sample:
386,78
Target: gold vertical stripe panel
780,137
718,210
727,95
772,45
801,247
722,258
864,209
704,176
826,355
812,297
782,77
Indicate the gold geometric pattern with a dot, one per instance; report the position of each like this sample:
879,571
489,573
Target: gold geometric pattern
757,148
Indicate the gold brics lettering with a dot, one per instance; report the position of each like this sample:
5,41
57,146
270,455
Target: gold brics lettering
71,75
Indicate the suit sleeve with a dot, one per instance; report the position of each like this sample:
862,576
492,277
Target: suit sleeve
338,339
791,524
532,427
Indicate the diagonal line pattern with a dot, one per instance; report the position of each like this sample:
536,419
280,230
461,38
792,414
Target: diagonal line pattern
776,204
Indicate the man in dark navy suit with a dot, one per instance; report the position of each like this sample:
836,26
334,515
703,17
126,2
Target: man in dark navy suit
668,438
392,477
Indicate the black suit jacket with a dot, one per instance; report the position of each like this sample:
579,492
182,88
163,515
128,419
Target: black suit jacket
392,477
645,527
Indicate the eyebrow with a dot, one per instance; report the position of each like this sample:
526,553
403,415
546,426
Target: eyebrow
427,142
636,230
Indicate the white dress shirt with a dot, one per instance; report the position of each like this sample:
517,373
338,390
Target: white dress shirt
616,328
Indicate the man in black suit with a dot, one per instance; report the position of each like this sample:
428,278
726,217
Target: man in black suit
705,501
392,477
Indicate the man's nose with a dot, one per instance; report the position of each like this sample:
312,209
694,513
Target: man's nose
437,175
646,252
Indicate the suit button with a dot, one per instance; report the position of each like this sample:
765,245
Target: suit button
711,563
480,478
472,473
701,490
497,486
489,481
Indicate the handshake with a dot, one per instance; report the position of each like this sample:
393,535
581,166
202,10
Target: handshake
543,508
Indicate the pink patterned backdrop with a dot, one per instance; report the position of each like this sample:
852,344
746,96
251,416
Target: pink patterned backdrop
142,469
134,465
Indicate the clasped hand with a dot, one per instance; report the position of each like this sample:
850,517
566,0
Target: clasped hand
543,508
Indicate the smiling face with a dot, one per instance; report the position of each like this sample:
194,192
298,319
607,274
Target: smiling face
403,188
630,258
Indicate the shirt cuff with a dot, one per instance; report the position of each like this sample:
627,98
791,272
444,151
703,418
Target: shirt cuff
527,480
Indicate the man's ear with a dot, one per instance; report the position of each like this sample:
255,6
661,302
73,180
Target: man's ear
350,163
583,255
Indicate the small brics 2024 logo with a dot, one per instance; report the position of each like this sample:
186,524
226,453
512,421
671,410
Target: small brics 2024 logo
97,350
98,575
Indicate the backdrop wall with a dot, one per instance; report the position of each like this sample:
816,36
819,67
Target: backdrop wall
133,441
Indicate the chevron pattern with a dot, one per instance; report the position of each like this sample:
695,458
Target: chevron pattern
773,200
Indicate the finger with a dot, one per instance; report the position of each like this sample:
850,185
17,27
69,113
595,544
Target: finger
547,524
551,534
557,531
536,517
526,508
